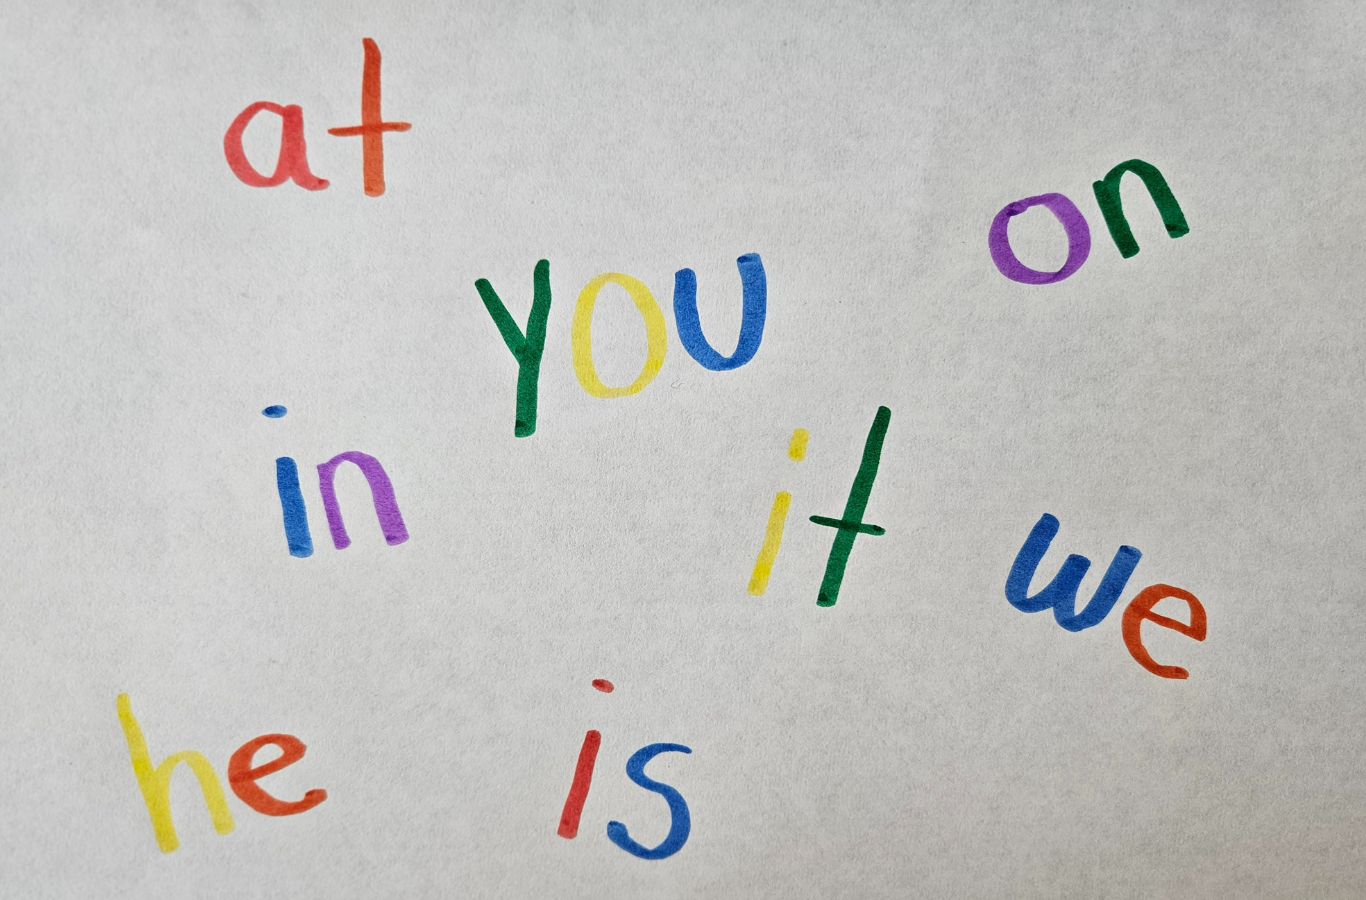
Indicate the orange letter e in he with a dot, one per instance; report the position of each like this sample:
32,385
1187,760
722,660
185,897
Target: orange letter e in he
242,776
372,125
1141,607
155,781
293,159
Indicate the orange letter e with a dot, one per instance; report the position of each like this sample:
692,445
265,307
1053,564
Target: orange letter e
1141,607
242,777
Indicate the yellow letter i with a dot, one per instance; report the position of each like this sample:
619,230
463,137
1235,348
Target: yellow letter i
777,517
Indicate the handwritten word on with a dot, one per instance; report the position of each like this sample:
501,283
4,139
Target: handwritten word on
1074,223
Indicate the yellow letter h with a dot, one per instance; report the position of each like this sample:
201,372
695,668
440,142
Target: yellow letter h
156,781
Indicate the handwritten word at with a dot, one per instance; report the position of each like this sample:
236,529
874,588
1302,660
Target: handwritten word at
292,160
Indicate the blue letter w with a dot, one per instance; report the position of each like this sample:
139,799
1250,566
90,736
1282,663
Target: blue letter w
1061,593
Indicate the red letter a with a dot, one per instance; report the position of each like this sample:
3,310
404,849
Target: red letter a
293,161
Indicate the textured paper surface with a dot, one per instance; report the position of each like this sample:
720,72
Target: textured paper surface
1201,401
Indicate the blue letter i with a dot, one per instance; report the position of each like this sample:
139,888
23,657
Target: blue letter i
292,504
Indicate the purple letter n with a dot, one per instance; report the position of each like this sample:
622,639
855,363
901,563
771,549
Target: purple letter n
381,492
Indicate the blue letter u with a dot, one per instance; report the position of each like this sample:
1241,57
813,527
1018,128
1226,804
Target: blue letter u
755,305
1061,593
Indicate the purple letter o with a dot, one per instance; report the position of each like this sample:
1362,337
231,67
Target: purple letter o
1073,222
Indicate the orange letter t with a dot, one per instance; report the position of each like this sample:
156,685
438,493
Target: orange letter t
372,125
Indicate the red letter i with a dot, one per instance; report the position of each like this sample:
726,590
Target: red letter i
578,791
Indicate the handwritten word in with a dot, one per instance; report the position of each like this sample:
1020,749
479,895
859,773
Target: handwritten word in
297,534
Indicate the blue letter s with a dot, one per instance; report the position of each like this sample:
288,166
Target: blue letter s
680,825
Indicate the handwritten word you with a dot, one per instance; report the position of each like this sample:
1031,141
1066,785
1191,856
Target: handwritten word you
527,346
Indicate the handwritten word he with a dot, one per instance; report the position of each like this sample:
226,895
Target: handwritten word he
155,781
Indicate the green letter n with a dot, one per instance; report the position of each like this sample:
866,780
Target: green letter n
526,349
1107,195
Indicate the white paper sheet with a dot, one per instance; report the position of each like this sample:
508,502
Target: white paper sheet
1200,401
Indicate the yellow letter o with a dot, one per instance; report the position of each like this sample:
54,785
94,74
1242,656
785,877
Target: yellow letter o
656,335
